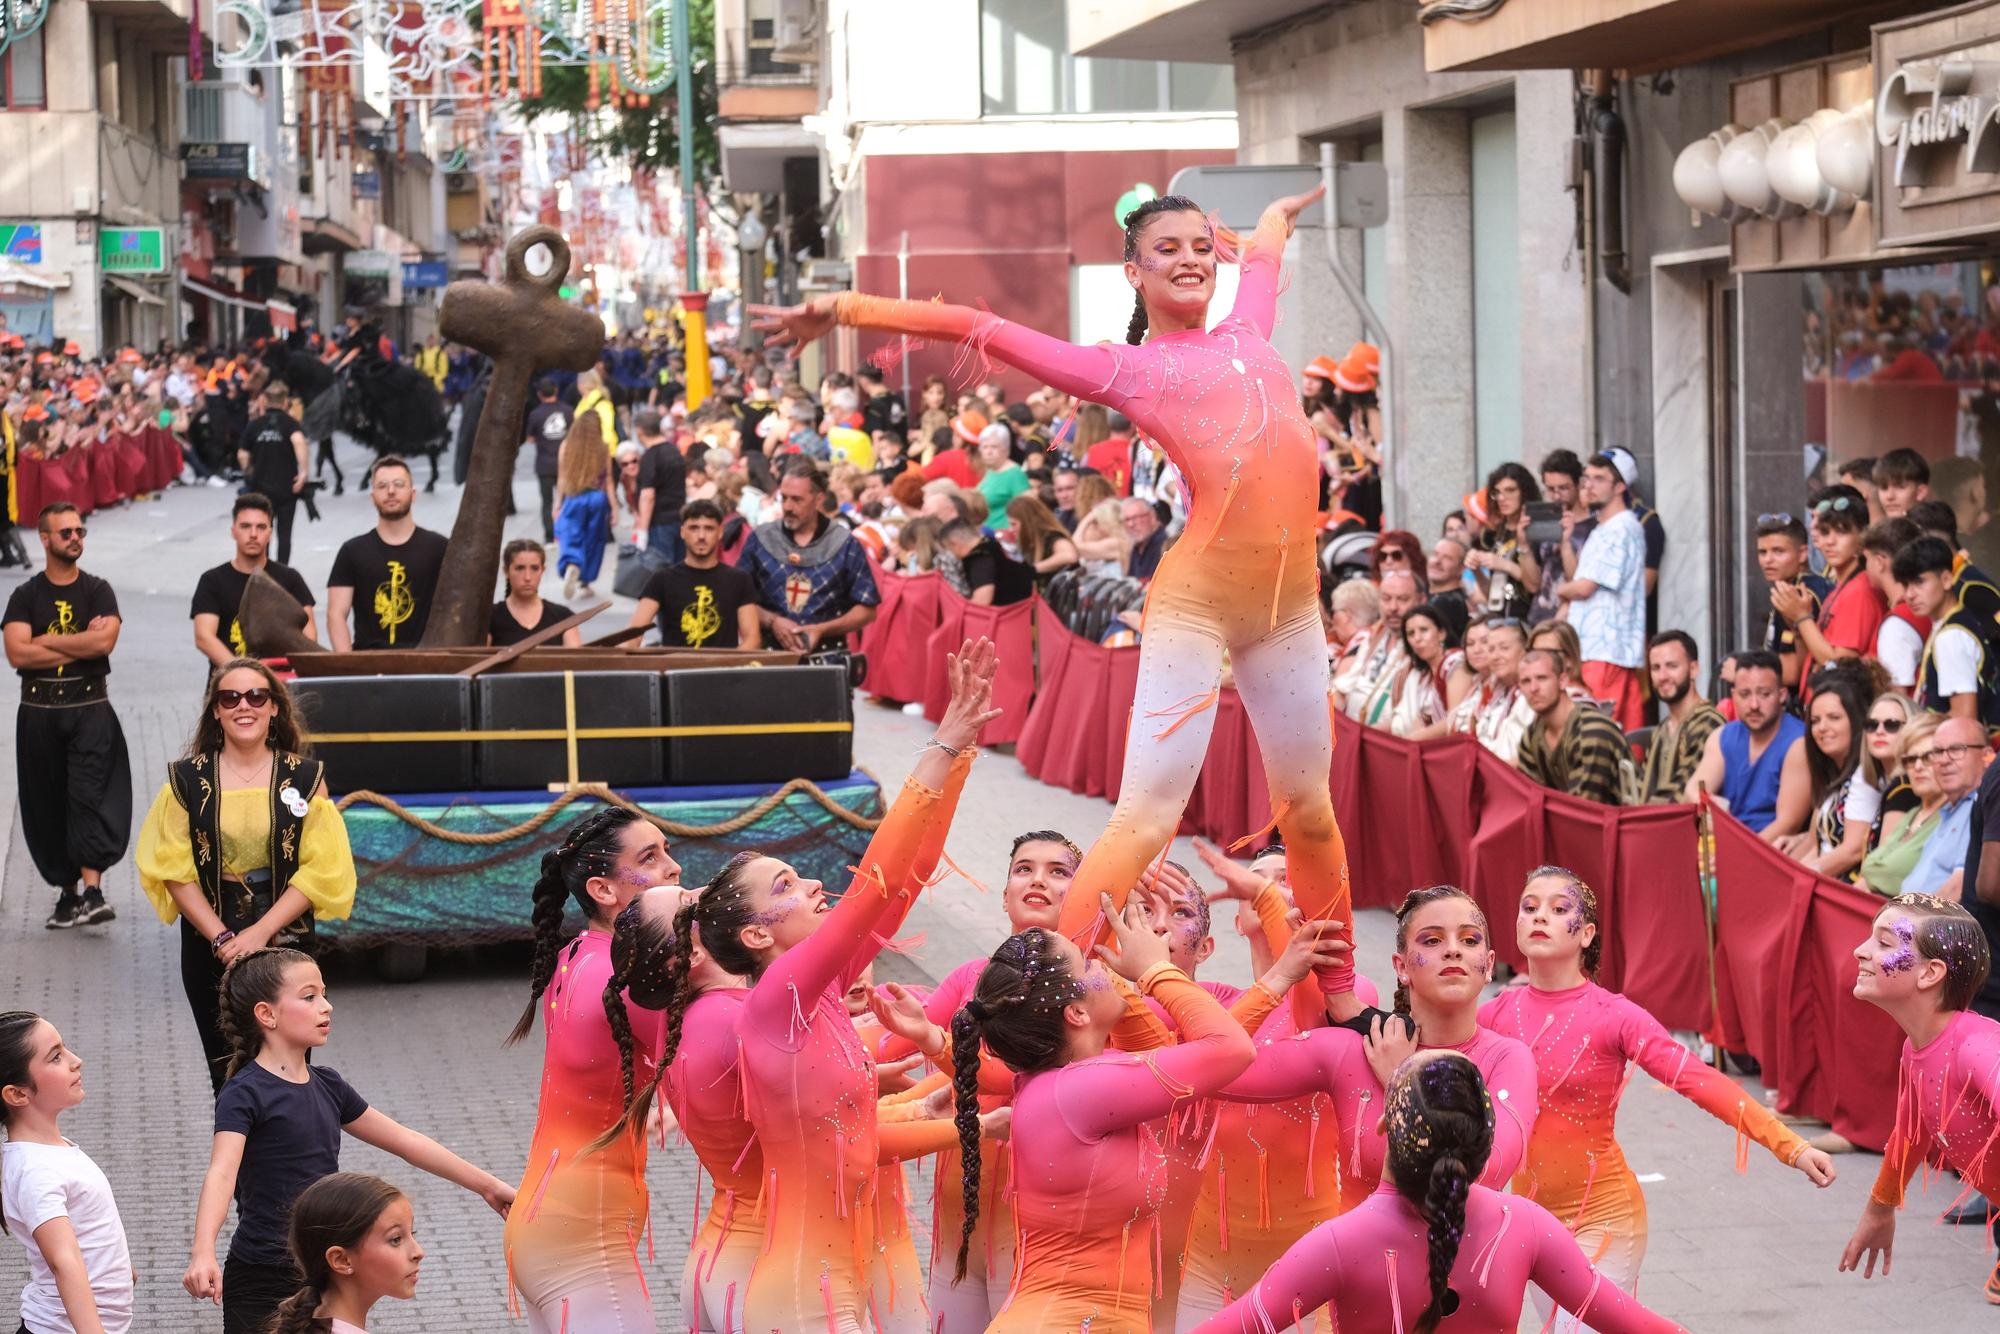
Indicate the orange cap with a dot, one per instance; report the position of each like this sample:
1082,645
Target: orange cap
1474,506
1366,354
1323,366
967,426
70,349
130,356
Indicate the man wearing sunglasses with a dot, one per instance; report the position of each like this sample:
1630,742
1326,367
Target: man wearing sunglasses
74,775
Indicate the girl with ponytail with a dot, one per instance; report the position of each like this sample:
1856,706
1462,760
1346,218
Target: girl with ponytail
355,1241
766,1074
1087,1169
573,1245
1582,1037
1241,582
278,1123
1433,1244
1443,958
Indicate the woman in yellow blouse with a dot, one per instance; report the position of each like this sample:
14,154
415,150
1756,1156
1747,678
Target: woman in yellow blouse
242,843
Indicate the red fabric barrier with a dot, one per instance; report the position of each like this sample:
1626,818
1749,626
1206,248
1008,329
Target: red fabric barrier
102,464
1074,734
1785,984
129,465
163,458
30,492
1012,632
897,641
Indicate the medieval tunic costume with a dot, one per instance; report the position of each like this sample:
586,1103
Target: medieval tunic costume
808,583
243,847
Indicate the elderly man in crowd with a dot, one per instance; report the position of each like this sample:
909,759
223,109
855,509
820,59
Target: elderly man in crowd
1571,747
1149,539
1368,691
1959,756
1446,568
1500,715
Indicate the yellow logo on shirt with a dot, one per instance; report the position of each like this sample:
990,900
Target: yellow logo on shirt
394,603
700,622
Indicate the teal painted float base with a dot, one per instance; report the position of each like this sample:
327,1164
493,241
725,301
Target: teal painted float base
415,888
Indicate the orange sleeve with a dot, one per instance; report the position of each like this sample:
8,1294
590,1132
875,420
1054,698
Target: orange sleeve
1899,1163
1141,1028
1253,1007
909,1104
900,1140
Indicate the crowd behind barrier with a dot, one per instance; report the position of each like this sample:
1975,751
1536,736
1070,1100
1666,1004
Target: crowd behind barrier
113,470
1770,974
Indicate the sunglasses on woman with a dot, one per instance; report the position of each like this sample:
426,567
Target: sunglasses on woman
256,697
1889,725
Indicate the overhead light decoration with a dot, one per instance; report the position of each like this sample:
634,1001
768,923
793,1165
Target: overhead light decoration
1846,152
1698,176
1792,163
1744,168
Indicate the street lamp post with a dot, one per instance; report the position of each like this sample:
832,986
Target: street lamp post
693,300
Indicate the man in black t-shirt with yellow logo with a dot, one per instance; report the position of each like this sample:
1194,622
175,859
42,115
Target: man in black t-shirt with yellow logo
700,602
386,577
219,592
74,774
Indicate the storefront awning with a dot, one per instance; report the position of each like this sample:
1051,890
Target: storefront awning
142,295
26,275
217,294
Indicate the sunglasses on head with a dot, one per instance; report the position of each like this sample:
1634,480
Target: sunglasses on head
1835,505
256,697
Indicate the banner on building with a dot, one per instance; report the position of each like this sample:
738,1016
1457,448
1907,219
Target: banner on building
21,242
132,249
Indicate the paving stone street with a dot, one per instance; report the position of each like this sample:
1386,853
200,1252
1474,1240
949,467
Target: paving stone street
1727,1252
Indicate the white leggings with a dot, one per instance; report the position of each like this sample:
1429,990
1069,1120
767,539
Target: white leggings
715,1278
969,1306
1624,1247
1282,678
599,1293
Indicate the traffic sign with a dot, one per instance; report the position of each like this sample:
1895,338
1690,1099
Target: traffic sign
1238,195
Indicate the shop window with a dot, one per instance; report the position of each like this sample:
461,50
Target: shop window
1026,70
1908,357
23,84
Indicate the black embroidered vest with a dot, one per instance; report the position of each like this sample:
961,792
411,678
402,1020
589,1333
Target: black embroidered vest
196,785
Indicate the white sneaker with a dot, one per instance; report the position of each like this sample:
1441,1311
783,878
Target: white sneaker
217,480
569,584
914,709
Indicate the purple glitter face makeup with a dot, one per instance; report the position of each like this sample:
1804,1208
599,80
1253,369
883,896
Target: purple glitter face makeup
1904,956
1418,960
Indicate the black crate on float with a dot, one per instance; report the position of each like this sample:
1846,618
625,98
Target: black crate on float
533,701
332,705
759,697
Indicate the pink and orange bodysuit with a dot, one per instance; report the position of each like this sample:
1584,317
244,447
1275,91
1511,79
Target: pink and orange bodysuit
1371,1266
1241,580
1088,1169
809,1085
1947,1110
1334,1061
577,1234
1582,1039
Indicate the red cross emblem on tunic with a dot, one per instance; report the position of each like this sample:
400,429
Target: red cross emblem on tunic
798,591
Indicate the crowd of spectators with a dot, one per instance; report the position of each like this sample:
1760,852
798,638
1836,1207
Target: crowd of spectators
1852,736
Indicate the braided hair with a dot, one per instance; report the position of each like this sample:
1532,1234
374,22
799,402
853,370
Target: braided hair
1440,1135
337,1210
1135,224
1412,901
250,980
1586,899
1016,1012
589,849
652,966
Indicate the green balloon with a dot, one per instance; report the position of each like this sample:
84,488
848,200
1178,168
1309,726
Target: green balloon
1131,199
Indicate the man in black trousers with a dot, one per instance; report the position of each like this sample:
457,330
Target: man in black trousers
69,751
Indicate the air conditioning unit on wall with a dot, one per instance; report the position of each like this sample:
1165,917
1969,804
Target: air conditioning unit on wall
795,32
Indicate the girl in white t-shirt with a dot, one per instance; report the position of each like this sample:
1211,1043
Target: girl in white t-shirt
52,1197
354,1239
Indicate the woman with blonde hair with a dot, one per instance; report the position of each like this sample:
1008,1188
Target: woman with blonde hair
1101,540
1905,833
583,504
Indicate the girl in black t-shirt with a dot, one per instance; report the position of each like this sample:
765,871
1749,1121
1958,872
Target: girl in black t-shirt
523,611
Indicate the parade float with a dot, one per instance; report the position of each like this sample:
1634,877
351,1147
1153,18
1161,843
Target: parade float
454,764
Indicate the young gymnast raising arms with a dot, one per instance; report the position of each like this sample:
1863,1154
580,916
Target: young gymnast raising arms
1431,1243
1923,962
1583,1037
573,1246
1444,956
1088,1173
1242,581
808,1083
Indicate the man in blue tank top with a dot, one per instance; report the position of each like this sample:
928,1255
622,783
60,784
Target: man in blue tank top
1741,761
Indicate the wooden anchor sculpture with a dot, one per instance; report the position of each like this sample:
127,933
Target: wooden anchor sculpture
526,327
